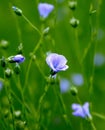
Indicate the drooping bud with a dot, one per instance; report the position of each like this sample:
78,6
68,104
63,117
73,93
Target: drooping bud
17,114
17,68
17,10
73,91
17,58
72,5
20,48
20,124
74,22
4,44
8,73
3,62
46,31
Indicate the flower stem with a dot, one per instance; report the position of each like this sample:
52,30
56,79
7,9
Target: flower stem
33,26
40,104
93,126
63,107
30,62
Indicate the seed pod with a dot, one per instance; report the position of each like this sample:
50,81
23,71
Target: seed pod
8,73
74,22
17,68
73,91
72,5
4,44
17,10
3,62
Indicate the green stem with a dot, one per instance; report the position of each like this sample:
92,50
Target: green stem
30,62
40,104
63,107
93,126
98,115
33,26
8,93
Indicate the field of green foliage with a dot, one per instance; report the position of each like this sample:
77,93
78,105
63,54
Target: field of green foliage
52,65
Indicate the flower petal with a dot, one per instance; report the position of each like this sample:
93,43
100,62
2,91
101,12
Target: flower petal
86,109
45,9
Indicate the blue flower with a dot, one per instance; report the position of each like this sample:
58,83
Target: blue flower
17,58
1,84
77,79
56,62
64,85
45,9
81,111
99,59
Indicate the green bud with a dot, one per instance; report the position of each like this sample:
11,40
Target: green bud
4,44
10,59
8,73
17,114
20,124
72,5
32,56
74,22
17,10
6,113
46,31
73,91
3,62
20,48
17,68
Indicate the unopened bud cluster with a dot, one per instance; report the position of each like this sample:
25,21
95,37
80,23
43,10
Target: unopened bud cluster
73,21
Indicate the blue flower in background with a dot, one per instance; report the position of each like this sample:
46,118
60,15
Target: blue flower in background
56,62
99,59
81,111
17,58
64,85
45,9
1,84
77,79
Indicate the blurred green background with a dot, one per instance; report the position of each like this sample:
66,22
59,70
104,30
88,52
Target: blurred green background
79,45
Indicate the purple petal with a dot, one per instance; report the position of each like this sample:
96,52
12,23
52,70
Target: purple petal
45,9
56,62
18,58
64,85
65,67
77,79
50,60
86,109
76,106
79,113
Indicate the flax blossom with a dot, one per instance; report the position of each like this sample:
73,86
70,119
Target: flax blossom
45,9
17,58
56,62
81,111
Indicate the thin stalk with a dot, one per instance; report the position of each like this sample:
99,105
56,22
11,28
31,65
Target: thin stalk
30,62
33,26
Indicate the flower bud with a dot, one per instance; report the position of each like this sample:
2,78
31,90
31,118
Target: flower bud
72,5
73,91
74,22
3,62
17,114
17,10
8,73
20,48
16,59
33,57
17,68
20,124
4,44
46,31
